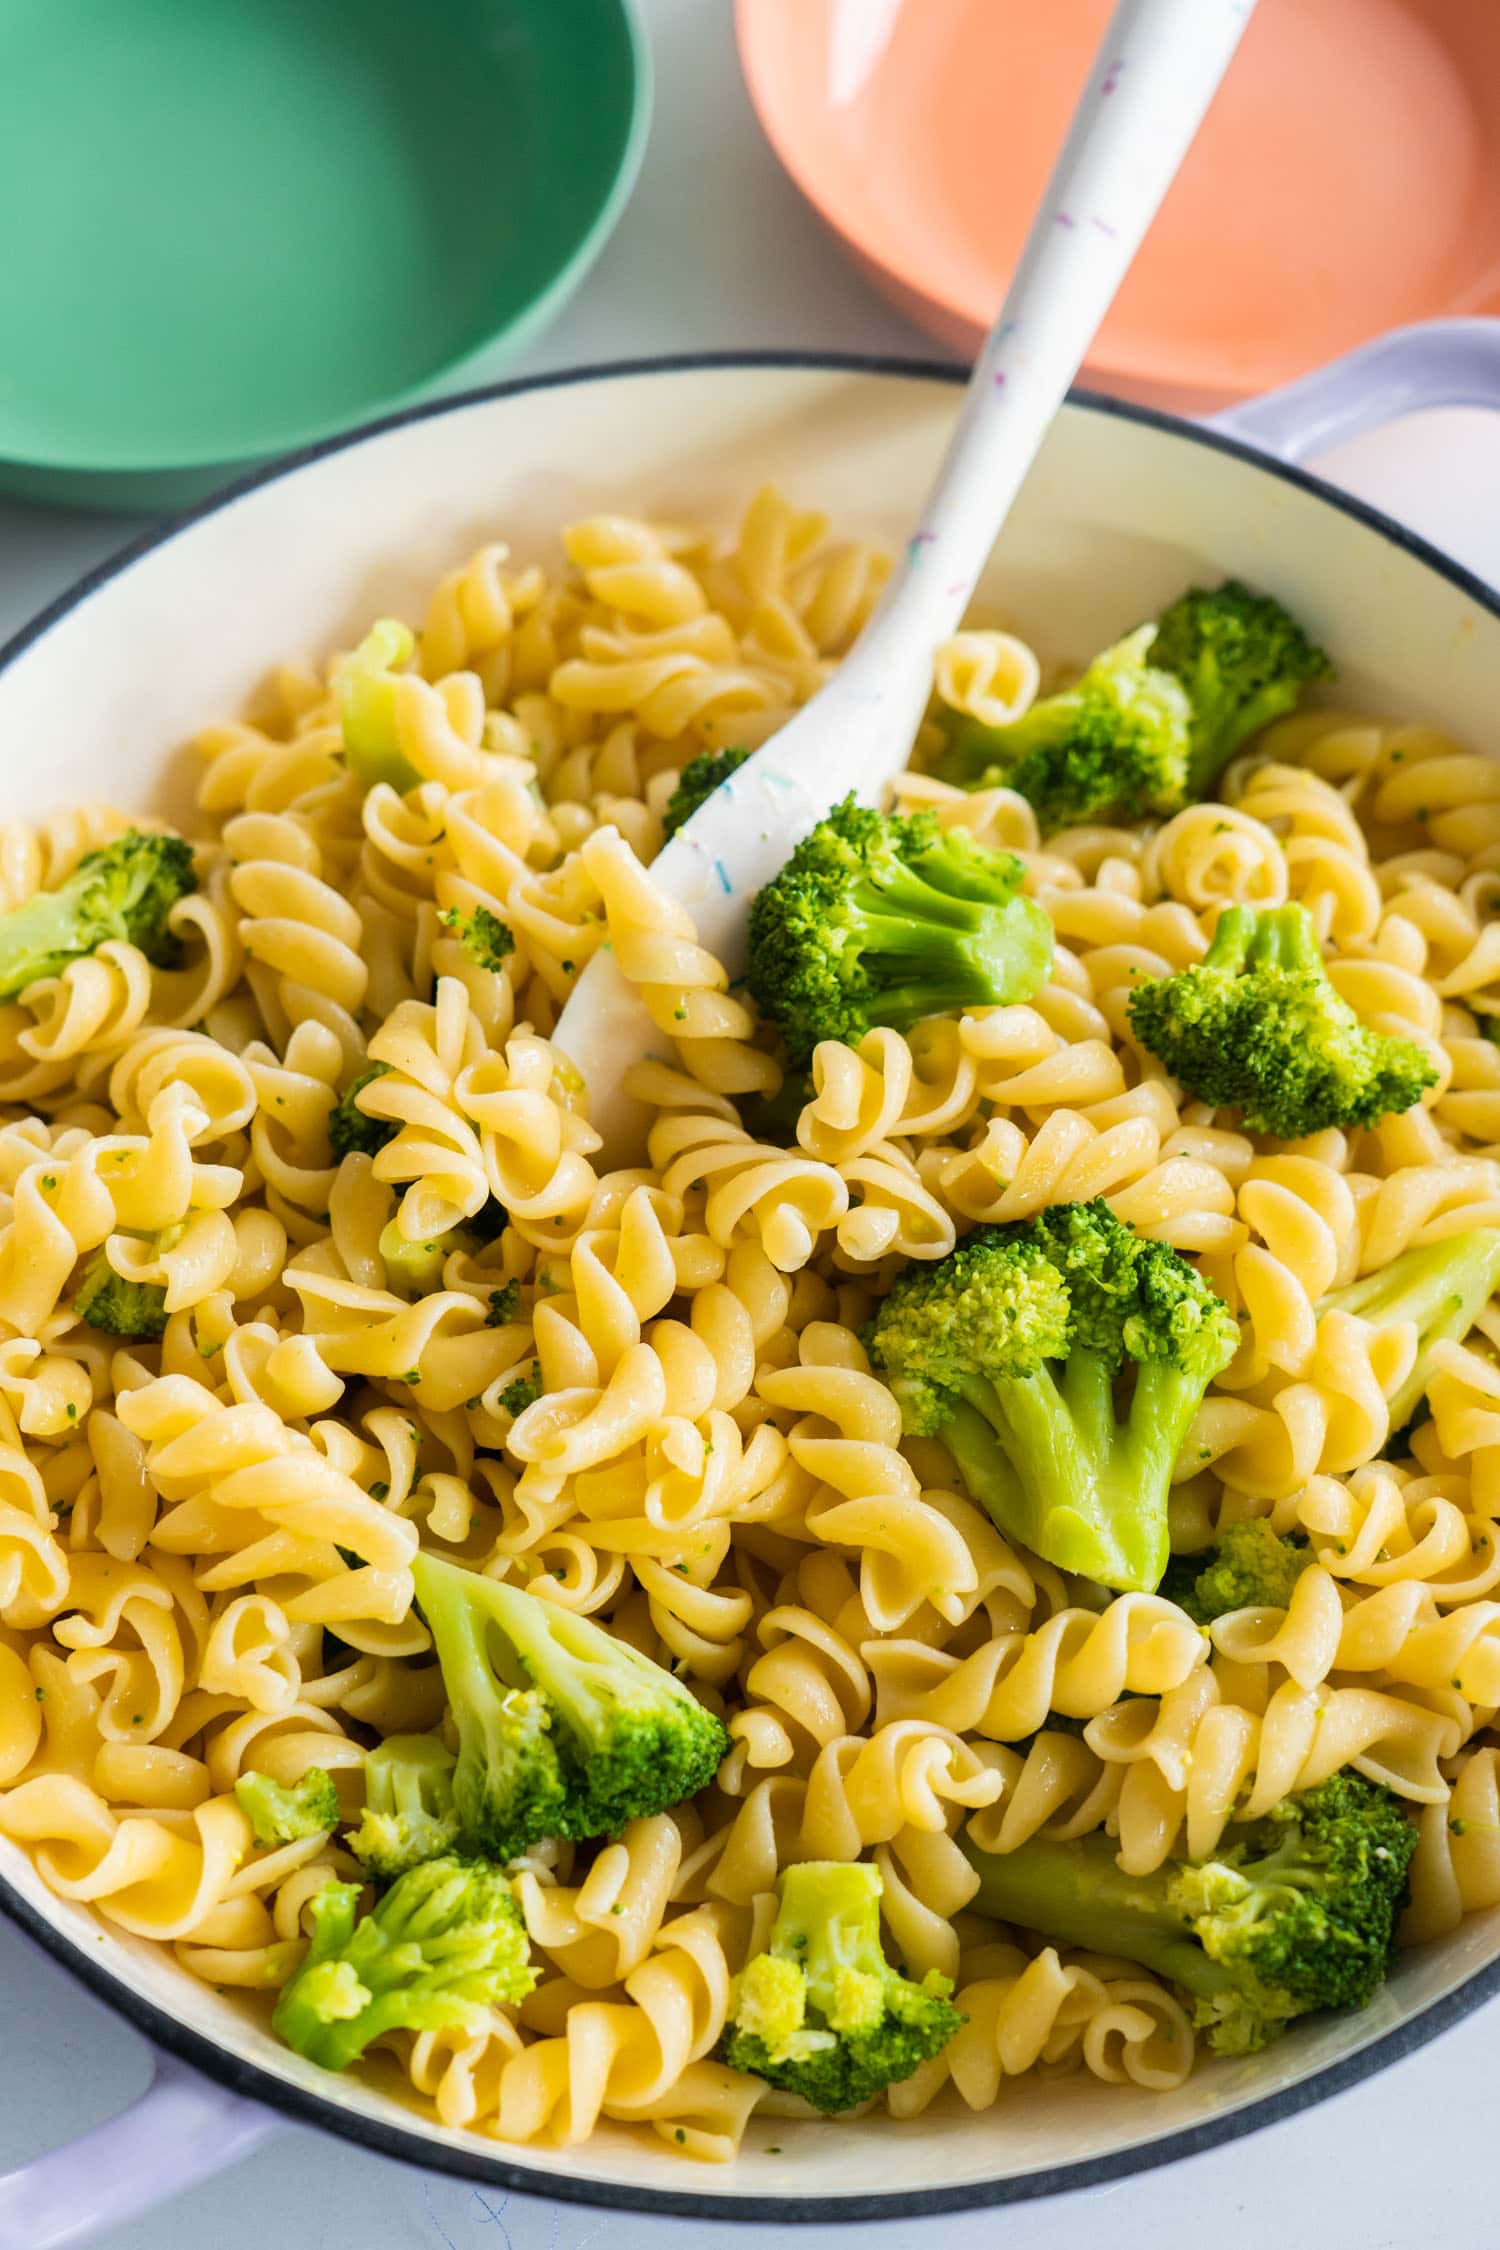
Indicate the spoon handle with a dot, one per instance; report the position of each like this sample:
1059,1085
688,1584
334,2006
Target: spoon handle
1152,80
1156,71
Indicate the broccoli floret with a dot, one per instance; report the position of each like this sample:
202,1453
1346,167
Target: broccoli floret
117,1307
505,1305
877,919
408,1815
696,783
126,890
1294,1912
822,2013
1244,662
1113,746
367,707
1252,1567
445,1942
562,1729
1441,1287
280,1815
484,937
1012,1349
1152,723
350,1131
1257,1026
524,1391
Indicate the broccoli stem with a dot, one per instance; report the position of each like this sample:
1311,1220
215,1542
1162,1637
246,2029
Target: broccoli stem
1442,1286
1275,937
1088,1393
461,1631
1022,1443
586,1681
1295,1911
1078,1894
977,747
929,953
38,940
367,691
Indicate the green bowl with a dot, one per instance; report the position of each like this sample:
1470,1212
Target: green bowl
229,227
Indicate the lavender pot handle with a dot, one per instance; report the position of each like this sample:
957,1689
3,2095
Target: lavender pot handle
1436,363
182,2129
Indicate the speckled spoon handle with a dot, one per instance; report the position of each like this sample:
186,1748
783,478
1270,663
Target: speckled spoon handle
1151,83
1156,71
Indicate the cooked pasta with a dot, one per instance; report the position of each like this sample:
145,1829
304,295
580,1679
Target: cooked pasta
405,1308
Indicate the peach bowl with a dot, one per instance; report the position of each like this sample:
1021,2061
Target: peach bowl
1346,180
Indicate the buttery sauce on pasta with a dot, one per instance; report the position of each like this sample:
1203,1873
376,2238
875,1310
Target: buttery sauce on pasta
205,1543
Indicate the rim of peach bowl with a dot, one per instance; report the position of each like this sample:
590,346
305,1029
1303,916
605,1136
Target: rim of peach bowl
463,2155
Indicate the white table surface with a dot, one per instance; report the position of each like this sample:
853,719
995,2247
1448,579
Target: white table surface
717,251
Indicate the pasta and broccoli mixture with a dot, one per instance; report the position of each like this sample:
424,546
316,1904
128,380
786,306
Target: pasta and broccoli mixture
977,1554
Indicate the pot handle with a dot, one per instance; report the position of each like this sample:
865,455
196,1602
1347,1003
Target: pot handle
180,2130
1435,363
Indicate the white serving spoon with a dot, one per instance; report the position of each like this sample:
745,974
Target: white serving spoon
1152,80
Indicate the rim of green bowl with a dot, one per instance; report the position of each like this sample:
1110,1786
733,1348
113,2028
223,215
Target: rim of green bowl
512,334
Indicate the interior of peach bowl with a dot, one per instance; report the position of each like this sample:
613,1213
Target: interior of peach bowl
1122,511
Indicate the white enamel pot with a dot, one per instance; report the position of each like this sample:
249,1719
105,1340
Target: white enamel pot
1124,508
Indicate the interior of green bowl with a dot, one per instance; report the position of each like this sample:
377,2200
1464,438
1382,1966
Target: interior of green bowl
228,229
